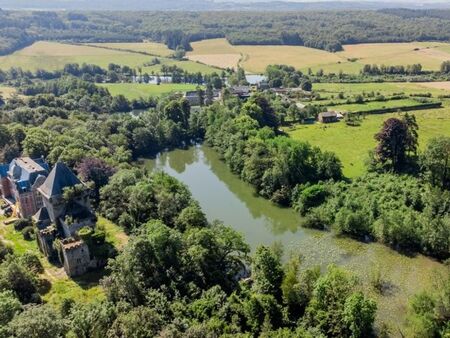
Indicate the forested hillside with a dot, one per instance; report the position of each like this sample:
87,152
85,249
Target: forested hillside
324,30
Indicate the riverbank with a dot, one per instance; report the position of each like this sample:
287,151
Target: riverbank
224,196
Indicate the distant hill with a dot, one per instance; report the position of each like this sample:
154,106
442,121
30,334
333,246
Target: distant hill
208,5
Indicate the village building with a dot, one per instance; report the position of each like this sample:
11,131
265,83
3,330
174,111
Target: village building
19,183
242,92
193,98
328,117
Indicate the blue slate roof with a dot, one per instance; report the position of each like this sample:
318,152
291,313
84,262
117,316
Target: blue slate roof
24,171
60,177
4,170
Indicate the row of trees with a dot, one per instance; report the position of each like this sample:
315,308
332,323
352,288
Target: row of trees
113,74
415,69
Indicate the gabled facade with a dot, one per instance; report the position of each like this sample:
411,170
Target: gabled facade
19,183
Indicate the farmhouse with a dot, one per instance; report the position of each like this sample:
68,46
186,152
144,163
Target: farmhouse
328,117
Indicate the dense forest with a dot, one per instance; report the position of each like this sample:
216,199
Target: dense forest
324,30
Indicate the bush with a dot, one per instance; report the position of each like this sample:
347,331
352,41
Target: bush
31,262
317,218
4,251
353,223
311,197
28,233
22,223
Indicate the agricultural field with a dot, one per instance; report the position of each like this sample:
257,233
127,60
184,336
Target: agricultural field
254,59
137,90
53,56
351,144
385,88
7,92
154,48
59,286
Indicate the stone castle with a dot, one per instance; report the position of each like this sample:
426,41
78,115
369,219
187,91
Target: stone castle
58,202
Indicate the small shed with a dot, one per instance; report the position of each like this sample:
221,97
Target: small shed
328,117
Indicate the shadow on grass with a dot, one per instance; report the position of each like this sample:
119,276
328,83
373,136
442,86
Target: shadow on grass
90,279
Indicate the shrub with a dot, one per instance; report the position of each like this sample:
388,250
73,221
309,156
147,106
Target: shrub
317,218
22,223
28,233
31,262
311,197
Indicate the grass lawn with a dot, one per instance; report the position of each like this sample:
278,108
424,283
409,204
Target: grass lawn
255,59
114,234
53,56
137,90
351,144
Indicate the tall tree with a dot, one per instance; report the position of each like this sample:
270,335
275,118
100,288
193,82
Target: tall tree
393,144
435,162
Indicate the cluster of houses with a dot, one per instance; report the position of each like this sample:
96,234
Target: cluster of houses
244,92
31,190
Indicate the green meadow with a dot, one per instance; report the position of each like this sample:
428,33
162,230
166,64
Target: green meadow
352,144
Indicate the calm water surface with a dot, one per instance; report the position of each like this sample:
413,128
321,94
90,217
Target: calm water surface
225,197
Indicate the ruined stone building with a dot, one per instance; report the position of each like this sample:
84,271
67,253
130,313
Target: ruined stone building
61,217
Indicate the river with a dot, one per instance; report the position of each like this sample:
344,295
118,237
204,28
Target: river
225,197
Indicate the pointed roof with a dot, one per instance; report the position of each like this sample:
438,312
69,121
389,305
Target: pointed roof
41,215
60,177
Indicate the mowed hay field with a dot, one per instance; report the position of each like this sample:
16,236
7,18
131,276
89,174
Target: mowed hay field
137,90
7,92
215,52
53,56
352,144
255,59
153,48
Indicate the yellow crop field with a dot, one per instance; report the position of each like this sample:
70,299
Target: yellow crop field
436,85
215,52
255,59
7,92
53,56
146,47
429,54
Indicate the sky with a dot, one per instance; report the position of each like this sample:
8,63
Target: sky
404,1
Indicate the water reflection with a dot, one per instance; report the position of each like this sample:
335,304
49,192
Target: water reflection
225,197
